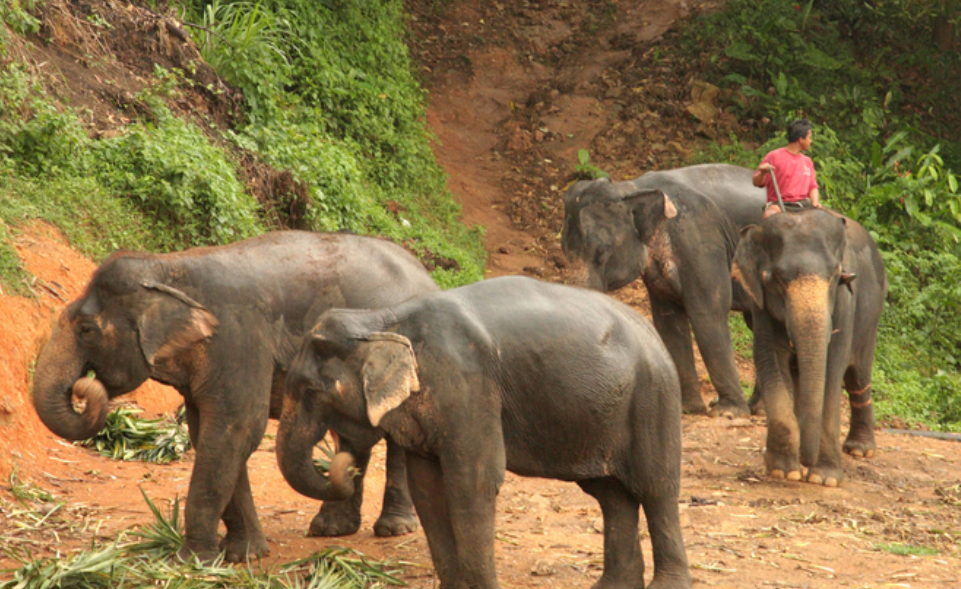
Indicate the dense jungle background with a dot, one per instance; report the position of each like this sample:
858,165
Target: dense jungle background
453,127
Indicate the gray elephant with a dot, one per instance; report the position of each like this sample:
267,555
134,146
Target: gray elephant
222,325
677,230
511,373
817,284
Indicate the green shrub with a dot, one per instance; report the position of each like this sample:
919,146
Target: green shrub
36,138
175,175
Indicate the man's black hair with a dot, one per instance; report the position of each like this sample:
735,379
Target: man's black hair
798,129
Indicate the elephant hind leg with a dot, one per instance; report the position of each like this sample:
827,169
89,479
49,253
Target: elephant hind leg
860,440
674,327
623,561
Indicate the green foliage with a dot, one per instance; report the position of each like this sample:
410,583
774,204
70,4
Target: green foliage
16,14
36,138
585,170
741,336
248,43
875,157
128,437
173,173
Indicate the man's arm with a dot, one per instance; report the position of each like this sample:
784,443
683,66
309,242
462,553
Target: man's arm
759,178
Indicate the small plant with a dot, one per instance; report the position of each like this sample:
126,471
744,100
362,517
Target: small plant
585,170
906,549
25,492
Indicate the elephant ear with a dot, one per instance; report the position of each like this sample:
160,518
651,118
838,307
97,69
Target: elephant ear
172,323
745,267
389,373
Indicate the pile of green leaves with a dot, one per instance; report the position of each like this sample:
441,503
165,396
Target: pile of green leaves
128,437
147,556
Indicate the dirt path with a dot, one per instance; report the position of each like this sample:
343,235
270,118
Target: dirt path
516,90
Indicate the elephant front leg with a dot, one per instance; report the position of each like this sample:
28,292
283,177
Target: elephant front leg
673,326
219,488
342,518
772,357
429,496
397,516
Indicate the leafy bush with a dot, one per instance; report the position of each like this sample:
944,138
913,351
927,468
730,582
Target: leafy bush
173,172
36,138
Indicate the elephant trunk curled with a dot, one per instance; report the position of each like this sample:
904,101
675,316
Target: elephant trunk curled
58,382
809,327
296,438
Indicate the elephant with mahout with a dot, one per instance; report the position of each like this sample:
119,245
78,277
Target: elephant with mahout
817,285
222,325
677,230
541,379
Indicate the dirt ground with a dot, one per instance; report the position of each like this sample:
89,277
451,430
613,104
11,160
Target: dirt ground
516,90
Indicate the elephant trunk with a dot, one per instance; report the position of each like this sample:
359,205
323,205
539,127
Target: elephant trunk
296,438
58,389
809,327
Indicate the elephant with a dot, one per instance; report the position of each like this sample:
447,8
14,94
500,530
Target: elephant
511,373
677,230
817,285
221,325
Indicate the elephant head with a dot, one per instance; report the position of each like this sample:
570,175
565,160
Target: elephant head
126,327
796,268
608,229
343,379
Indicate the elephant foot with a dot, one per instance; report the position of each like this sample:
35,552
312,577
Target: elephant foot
396,525
682,580
729,409
694,406
335,518
860,448
243,549
829,476
791,475
756,405
203,556
784,467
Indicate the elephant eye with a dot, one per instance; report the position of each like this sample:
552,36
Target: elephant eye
87,329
